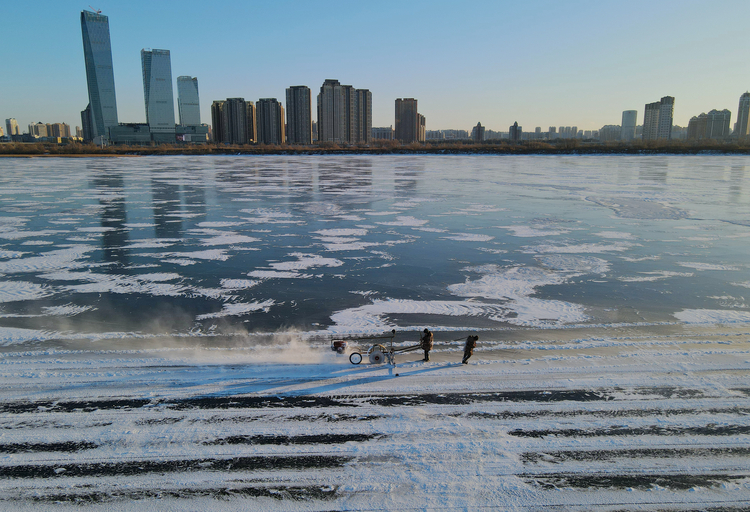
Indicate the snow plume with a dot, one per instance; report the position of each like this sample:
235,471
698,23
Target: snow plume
283,347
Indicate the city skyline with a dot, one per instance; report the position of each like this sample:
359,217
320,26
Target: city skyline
541,65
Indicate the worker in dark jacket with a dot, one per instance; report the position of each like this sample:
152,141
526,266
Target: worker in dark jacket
426,341
471,344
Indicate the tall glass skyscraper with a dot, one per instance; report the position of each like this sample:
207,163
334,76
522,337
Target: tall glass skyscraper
157,93
100,77
187,101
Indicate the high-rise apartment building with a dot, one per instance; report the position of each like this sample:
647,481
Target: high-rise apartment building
363,116
38,130
58,130
299,115
407,121
658,118
270,121
629,122
11,127
717,124
331,112
100,77
233,121
515,131
714,125
666,117
743,116
651,120
188,104
157,94
477,133
344,113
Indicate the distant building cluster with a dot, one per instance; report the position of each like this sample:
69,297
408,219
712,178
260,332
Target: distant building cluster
344,113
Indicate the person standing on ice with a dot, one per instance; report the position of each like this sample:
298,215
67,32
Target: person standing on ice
426,341
471,344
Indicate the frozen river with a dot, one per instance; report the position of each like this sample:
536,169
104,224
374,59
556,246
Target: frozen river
98,248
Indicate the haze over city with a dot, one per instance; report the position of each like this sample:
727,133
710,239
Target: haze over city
541,64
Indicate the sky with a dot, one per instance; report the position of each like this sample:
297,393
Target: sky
538,62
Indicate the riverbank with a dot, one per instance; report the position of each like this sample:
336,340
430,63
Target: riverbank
563,147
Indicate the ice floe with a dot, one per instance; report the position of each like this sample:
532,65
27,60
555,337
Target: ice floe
706,266
592,248
238,309
468,237
14,291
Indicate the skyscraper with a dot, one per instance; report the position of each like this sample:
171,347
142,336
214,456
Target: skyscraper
743,116
299,115
629,122
270,121
100,77
188,104
407,121
11,127
157,94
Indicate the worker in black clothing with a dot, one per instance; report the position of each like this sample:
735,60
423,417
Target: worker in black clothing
426,341
471,344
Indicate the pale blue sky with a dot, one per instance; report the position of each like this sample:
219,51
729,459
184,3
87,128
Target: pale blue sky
541,63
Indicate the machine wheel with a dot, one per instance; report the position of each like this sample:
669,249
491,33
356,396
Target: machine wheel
355,358
377,357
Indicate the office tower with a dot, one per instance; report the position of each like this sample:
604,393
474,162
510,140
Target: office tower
270,121
79,132
743,116
11,127
100,77
188,104
299,115
233,121
477,133
157,94
407,121
629,122
331,112
421,128
552,133
515,132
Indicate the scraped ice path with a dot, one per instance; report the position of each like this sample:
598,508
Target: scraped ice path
628,420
